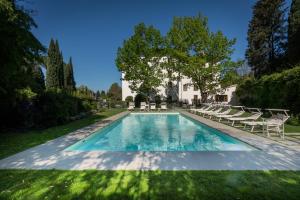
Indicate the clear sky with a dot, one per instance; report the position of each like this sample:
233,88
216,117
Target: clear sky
91,30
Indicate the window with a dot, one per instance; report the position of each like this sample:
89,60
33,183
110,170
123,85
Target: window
195,88
185,87
221,98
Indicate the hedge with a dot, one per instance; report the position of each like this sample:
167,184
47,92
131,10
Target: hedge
278,90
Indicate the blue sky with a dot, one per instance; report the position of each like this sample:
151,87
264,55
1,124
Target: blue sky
91,30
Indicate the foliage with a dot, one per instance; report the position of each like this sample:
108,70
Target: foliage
189,49
38,83
115,92
20,52
149,184
139,98
279,90
103,94
83,92
139,58
266,37
129,99
202,54
294,33
55,65
69,82
230,78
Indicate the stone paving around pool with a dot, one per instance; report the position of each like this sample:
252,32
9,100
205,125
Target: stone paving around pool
51,155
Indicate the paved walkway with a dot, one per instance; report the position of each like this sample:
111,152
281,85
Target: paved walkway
272,155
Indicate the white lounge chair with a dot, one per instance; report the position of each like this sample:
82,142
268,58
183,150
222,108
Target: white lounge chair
216,110
163,106
152,106
274,123
256,113
143,106
237,114
203,108
224,112
131,106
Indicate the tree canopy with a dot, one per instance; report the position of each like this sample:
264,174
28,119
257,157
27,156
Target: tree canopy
294,33
115,92
266,37
139,59
189,49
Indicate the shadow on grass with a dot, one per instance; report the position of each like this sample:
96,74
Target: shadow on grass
90,184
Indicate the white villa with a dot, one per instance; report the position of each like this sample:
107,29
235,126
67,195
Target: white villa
184,91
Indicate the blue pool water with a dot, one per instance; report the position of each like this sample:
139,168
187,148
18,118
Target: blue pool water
159,132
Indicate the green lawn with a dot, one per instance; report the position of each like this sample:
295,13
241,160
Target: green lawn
291,129
11,143
91,184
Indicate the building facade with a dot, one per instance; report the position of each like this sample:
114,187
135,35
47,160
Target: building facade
184,91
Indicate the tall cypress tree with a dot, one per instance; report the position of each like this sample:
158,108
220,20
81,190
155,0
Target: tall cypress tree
55,67
52,74
69,82
294,33
266,36
60,66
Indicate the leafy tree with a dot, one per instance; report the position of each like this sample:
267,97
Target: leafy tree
230,78
20,51
84,92
294,33
139,58
203,54
115,92
69,82
266,36
38,85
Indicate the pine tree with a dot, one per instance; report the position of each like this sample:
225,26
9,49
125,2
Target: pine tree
294,33
69,82
52,75
266,36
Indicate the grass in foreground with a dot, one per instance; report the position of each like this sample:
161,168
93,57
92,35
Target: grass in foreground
11,143
56,184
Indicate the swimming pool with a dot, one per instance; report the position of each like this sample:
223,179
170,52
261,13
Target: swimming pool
159,132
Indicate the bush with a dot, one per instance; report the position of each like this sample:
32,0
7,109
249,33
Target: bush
128,99
138,99
278,90
49,108
56,108
157,99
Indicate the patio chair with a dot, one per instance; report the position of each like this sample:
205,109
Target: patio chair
215,110
237,114
203,108
256,113
143,106
224,112
163,106
152,106
131,106
274,123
